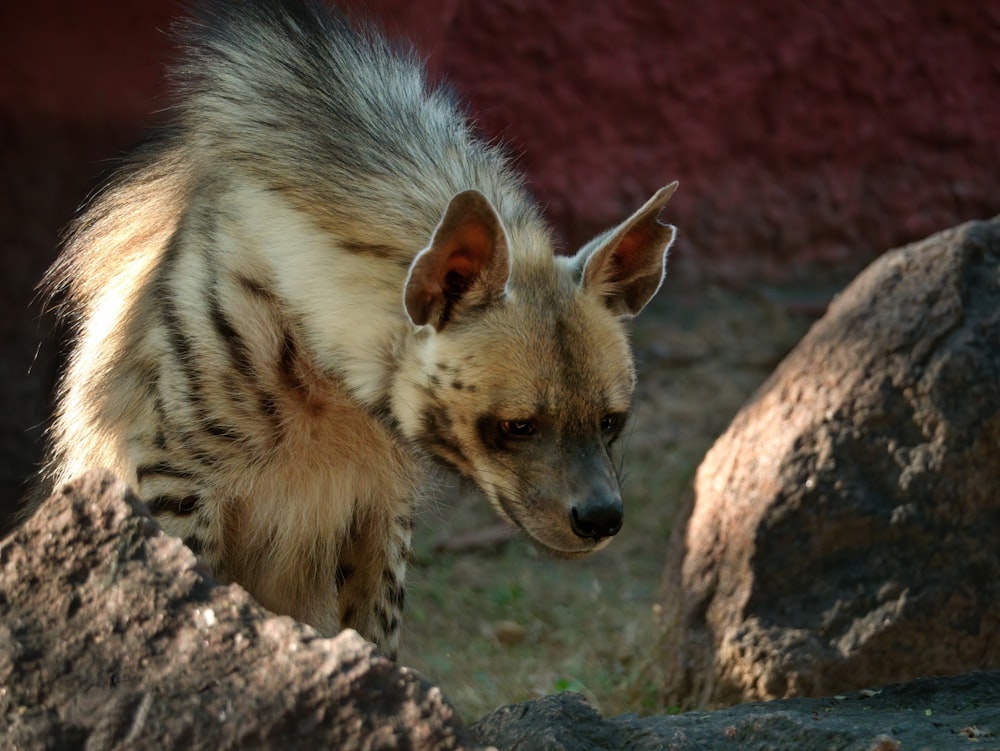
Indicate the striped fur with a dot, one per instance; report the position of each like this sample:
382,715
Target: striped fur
316,284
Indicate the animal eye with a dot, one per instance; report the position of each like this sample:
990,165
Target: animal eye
518,428
612,423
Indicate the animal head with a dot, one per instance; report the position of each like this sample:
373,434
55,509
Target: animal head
525,374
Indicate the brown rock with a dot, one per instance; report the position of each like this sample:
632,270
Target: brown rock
843,532
112,635
930,713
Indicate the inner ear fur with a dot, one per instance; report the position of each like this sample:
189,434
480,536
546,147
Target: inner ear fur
467,261
626,265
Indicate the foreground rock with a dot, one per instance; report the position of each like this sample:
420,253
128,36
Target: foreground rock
843,532
940,714
113,636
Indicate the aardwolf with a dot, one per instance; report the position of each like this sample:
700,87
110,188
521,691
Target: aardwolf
316,285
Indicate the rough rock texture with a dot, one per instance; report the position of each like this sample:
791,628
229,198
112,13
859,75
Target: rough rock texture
798,131
113,636
940,714
843,532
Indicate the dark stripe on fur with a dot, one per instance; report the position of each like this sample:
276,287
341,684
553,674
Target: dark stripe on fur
184,349
161,468
256,289
488,427
455,287
384,619
177,338
158,408
344,572
218,430
163,504
204,458
438,437
287,365
239,354
382,411
195,543
395,593
269,406
347,618
179,342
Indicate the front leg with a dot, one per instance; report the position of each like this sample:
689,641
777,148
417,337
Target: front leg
371,575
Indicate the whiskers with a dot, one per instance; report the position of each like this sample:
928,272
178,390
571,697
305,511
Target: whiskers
620,473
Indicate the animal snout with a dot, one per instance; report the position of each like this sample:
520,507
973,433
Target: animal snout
596,518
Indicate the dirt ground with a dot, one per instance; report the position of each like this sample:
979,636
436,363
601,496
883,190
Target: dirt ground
492,621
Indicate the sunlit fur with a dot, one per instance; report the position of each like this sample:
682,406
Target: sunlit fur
243,356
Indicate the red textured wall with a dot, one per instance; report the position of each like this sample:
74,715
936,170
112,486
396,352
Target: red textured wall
800,132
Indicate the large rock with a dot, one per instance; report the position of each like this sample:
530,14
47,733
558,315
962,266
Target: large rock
844,531
112,635
940,714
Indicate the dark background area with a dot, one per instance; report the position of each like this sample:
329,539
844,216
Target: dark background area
805,138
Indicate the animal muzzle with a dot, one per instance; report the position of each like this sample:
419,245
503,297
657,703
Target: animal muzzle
598,516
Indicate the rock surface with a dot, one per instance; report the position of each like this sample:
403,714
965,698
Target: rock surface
112,635
940,714
843,532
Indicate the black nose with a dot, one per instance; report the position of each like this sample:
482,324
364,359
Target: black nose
597,518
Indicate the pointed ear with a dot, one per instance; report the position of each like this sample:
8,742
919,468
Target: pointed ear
466,262
626,265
